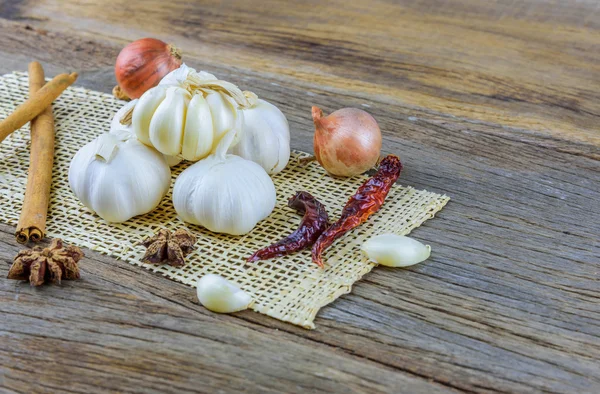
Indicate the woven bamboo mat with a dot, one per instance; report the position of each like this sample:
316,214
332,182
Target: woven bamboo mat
291,288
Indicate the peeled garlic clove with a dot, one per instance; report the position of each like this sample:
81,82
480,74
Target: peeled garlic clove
198,133
395,250
166,126
144,110
217,294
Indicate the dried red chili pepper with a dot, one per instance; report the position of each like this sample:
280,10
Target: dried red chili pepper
367,200
313,223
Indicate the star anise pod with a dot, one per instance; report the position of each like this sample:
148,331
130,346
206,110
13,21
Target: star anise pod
169,248
39,265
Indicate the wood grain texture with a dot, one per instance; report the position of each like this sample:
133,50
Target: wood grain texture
524,64
494,103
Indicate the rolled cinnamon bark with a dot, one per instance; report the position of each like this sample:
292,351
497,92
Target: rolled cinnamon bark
36,104
32,223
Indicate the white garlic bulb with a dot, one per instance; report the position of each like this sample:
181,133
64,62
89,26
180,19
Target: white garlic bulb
266,137
395,250
118,177
189,112
224,193
217,294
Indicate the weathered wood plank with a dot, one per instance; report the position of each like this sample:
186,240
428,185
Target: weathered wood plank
509,300
525,64
114,330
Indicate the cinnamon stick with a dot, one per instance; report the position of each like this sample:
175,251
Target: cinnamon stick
32,223
36,104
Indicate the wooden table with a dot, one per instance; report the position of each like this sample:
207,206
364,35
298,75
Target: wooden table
495,103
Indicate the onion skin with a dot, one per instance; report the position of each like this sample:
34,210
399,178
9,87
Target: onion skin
143,63
347,142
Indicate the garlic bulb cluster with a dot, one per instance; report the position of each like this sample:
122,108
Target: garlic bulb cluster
219,295
189,112
118,177
224,193
194,116
395,250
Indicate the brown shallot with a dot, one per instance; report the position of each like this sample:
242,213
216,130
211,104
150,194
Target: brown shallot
142,64
347,142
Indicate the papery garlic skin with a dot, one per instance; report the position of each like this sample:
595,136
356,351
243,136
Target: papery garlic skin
115,123
219,295
118,177
224,193
266,137
395,250
180,75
